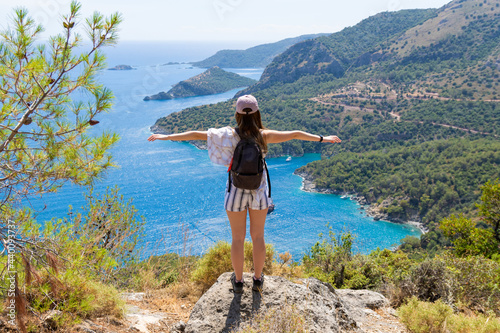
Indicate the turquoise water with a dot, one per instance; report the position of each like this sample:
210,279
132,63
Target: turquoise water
180,192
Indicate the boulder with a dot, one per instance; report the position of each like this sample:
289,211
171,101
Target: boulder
221,310
358,301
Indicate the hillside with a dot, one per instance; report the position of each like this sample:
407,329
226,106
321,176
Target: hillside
393,81
257,56
212,81
336,53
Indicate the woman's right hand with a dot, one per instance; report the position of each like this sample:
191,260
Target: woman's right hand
154,137
332,139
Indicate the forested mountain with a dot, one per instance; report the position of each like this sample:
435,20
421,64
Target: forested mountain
336,53
386,86
257,56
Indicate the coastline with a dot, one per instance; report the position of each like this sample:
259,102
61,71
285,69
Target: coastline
371,210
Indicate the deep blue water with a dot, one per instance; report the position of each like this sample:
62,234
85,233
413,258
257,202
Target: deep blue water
180,192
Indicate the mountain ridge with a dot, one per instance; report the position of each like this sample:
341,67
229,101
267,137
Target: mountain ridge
256,56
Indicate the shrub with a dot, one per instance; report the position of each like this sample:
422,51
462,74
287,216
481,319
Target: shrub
74,295
74,260
328,258
467,239
476,283
218,260
469,283
426,317
430,281
156,272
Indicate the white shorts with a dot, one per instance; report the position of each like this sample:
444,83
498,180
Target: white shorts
238,200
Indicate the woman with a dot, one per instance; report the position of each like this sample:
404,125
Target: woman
221,143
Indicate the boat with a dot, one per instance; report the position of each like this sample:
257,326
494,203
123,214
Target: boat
270,208
289,158
345,196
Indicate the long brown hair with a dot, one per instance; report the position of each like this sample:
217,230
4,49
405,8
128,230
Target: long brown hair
250,126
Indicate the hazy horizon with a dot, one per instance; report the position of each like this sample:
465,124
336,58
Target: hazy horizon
226,21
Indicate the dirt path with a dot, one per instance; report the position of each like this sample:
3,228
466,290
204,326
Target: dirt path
398,117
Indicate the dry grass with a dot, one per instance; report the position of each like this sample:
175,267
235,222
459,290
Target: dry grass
283,319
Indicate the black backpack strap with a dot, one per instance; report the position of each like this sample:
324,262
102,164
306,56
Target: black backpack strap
237,130
268,179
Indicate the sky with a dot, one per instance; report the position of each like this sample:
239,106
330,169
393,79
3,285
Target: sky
242,21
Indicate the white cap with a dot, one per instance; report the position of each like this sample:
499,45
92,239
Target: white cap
247,102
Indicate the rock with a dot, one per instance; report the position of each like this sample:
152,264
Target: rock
84,329
362,298
220,310
133,296
48,319
178,327
141,318
370,310
88,326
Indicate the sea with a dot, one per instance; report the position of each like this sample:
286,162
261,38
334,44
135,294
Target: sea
175,187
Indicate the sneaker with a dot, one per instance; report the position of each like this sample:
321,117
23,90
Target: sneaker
237,286
258,284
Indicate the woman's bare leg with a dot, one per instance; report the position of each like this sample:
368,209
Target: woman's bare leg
257,222
238,221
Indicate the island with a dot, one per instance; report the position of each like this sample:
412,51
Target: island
212,81
174,63
121,68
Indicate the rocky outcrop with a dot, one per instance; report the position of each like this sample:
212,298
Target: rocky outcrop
324,308
376,210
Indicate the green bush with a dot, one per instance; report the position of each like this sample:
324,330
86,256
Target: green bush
329,257
467,239
430,280
156,272
72,261
426,317
218,260
476,283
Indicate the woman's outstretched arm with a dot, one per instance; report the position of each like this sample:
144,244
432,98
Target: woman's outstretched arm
185,136
272,136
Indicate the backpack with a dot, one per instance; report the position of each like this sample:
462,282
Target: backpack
247,166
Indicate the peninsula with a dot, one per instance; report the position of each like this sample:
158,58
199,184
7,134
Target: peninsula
212,81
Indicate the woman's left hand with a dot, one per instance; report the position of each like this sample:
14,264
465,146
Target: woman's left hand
332,139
